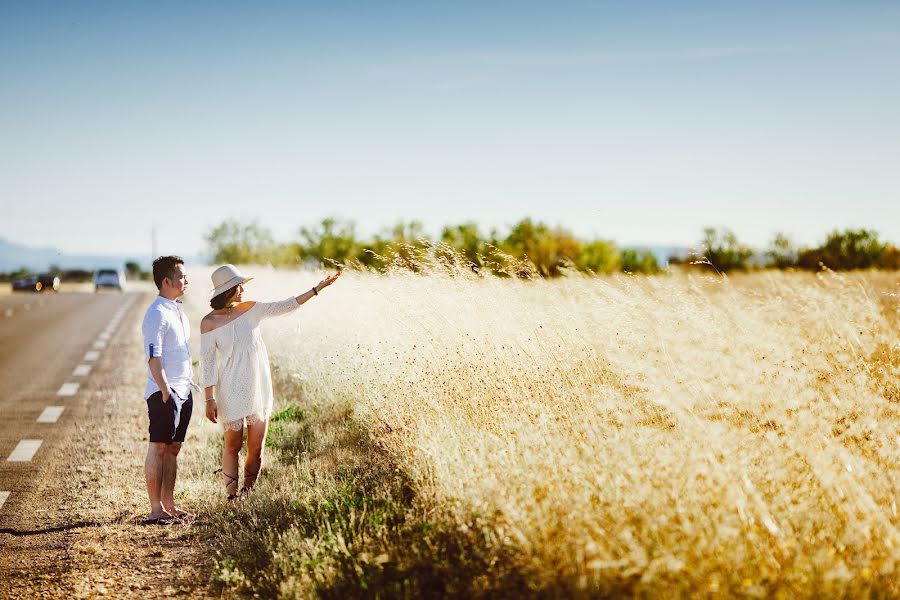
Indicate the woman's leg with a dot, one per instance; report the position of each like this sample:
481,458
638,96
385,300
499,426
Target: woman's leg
233,442
256,441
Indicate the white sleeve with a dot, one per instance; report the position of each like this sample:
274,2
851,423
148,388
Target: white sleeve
154,329
208,373
276,309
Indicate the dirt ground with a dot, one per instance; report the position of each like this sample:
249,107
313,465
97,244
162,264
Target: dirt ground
81,536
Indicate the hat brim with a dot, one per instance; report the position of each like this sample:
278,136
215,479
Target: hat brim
234,281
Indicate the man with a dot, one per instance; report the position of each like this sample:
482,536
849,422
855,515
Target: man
168,393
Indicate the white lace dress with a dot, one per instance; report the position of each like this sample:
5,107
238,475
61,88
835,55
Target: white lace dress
234,358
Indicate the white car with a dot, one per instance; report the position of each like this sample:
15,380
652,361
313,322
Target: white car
109,278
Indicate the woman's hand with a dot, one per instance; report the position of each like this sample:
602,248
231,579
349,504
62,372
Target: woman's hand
328,281
212,411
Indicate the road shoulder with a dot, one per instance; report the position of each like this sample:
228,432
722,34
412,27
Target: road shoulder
80,536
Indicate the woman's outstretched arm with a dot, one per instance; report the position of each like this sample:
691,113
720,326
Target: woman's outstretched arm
292,303
317,289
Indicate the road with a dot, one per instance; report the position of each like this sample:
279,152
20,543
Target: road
49,345
72,443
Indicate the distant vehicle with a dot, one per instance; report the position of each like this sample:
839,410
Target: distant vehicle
45,282
109,278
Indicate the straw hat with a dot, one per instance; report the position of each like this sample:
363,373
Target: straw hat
226,277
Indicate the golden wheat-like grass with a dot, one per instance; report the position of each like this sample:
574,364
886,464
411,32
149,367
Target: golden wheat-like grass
689,433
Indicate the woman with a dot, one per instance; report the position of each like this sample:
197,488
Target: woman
234,369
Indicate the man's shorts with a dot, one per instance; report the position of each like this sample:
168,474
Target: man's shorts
163,416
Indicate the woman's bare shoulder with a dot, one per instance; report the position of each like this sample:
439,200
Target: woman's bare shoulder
208,323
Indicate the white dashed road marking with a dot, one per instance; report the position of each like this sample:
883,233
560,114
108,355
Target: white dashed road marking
3,497
51,414
68,389
91,355
100,344
81,370
25,451
104,335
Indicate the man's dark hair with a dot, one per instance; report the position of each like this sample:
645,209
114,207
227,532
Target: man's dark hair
222,300
163,267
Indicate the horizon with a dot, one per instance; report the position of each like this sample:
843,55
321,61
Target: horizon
641,124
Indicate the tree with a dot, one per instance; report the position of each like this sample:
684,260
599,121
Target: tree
397,246
890,258
132,270
845,250
548,249
331,240
723,251
466,239
781,253
237,243
599,256
639,261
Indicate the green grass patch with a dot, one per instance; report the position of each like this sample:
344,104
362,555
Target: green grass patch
335,517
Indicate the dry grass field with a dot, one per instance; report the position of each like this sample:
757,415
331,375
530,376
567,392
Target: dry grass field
444,434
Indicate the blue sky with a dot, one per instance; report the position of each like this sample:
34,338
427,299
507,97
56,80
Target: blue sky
639,122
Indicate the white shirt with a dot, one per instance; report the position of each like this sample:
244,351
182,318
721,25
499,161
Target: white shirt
167,335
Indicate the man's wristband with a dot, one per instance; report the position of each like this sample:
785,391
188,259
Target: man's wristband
210,399
315,291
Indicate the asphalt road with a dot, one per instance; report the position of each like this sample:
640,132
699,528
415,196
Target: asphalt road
45,369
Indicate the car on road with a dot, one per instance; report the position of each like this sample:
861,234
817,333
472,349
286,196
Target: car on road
109,278
44,282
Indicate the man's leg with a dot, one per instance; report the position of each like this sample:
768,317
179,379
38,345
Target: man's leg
230,460
169,473
153,473
170,466
256,438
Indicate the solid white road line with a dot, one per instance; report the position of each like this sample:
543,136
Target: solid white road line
68,389
81,370
100,344
91,355
25,451
51,414
3,497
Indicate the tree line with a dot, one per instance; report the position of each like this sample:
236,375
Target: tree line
528,249
845,250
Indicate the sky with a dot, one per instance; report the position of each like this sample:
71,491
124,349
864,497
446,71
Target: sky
640,122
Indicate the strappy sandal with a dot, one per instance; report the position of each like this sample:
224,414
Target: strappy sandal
229,497
252,477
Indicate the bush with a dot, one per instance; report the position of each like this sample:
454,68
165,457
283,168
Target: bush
467,240
781,253
237,243
723,251
332,241
548,249
639,261
847,250
599,256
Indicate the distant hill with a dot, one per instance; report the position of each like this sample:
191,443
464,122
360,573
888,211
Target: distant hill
17,256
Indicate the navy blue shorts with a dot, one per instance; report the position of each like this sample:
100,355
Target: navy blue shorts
162,418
